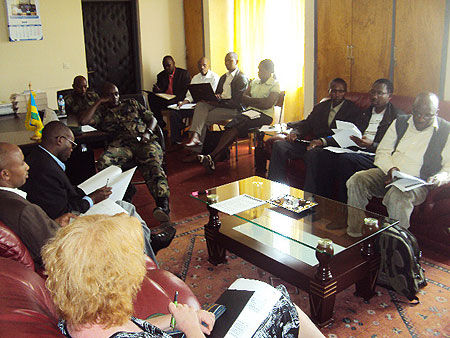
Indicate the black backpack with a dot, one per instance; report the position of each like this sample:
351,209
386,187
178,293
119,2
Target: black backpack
400,269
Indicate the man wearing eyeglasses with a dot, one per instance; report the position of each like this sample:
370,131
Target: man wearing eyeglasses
327,170
317,125
48,186
416,144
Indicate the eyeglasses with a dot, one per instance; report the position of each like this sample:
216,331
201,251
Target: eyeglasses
377,92
427,116
334,91
74,144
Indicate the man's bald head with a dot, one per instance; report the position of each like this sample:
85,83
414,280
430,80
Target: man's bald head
111,92
80,85
13,168
231,61
203,65
424,110
58,139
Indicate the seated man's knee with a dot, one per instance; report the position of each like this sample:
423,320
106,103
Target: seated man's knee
356,180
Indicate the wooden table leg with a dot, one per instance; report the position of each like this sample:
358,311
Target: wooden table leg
216,252
322,290
365,287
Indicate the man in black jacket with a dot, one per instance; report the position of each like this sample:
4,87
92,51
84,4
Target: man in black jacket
172,80
326,169
229,92
317,125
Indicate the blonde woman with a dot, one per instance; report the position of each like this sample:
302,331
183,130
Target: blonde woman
95,268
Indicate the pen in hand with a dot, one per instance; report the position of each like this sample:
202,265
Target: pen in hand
175,301
107,181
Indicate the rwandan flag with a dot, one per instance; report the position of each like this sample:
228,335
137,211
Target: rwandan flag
33,120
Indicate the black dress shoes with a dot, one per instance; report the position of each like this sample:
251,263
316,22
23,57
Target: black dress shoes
162,239
162,211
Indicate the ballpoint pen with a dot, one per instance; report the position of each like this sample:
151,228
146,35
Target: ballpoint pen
175,301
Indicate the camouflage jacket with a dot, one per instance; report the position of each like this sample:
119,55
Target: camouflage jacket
76,104
125,123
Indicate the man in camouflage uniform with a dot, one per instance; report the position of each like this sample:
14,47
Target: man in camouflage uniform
81,102
131,126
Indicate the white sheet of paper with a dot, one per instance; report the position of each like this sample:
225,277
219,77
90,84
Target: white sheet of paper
406,182
114,177
276,128
238,204
257,308
252,114
184,106
87,128
105,207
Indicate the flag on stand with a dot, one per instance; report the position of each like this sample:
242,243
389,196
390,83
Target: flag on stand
33,120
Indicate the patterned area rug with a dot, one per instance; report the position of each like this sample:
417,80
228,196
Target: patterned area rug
383,316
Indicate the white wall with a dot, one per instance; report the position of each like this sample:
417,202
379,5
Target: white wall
41,62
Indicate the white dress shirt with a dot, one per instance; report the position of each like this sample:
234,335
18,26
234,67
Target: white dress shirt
19,192
408,156
226,93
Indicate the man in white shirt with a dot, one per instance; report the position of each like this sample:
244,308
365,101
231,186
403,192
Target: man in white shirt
229,92
416,144
205,75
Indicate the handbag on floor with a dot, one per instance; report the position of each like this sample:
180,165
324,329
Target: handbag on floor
400,268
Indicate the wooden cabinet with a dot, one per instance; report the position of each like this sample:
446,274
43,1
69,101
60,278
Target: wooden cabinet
364,40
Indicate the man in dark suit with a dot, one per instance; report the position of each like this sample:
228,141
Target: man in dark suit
49,187
317,125
172,80
230,89
27,220
324,168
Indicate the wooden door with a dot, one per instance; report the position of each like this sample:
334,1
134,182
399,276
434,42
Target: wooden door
112,49
334,22
193,30
419,36
371,43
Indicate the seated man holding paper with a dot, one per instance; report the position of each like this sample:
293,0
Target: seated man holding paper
318,124
325,166
259,98
181,111
416,145
171,87
49,187
229,92
27,220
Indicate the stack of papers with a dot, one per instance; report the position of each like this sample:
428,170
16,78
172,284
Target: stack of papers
238,204
252,114
406,182
343,132
348,151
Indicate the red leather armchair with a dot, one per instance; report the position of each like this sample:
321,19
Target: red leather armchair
26,309
430,221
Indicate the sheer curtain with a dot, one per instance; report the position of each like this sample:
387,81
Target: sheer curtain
273,29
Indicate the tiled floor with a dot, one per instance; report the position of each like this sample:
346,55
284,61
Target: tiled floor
187,177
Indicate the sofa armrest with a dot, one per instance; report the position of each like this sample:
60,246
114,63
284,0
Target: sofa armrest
12,247
437,195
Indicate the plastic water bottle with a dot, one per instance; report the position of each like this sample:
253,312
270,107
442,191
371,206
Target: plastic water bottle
61,105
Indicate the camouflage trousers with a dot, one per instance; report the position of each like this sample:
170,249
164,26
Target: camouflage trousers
149,159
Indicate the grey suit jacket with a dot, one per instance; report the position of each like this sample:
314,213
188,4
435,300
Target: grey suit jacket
28,221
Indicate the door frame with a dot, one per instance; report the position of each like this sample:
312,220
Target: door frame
135,37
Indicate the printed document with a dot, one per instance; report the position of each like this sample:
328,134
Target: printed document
112,177
256,310
238,204
343,132
105,207
252,114
184,106
406,182
165,96
338,150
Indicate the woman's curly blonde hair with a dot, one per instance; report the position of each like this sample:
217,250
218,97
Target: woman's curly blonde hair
95,268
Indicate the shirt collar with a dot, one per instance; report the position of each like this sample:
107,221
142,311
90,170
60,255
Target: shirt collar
336,108
269,82
382,112
19,192
233,73
60,163
434,125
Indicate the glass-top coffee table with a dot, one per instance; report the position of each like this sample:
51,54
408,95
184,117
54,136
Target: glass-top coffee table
314,249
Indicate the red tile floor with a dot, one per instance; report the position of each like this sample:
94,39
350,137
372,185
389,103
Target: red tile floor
187,177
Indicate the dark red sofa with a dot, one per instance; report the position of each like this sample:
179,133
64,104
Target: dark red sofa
430,221
26,309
